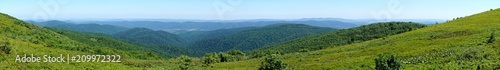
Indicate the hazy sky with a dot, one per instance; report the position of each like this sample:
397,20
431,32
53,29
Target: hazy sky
244,9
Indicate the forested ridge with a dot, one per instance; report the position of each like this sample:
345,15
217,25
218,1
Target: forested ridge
248,40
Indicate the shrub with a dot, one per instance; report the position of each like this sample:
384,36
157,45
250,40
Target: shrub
257,54
232,55
226,57
185,62
492,38
5,47
271,62
303,50
387,63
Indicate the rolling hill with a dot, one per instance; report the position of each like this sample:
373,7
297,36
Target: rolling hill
251,39
464,43
342,37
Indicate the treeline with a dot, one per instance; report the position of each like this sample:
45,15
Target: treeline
229,56
270,62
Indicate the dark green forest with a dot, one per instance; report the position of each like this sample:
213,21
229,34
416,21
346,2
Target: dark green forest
248,40
156,40
103,40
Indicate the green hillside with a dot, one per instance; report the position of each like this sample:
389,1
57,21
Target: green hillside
341,37
19,38
470,42
106,29
251,39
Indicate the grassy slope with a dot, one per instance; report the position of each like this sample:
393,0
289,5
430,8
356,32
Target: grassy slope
456,44
25,38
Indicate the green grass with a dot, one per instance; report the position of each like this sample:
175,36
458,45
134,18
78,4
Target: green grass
457,44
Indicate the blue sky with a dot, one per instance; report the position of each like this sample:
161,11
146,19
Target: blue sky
244,9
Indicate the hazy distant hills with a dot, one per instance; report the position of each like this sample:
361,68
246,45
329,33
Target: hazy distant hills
176,27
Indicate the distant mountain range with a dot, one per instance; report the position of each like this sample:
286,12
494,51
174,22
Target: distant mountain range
176,27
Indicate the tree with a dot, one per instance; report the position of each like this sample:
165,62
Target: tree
272,62
492,38
387,63
185,62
